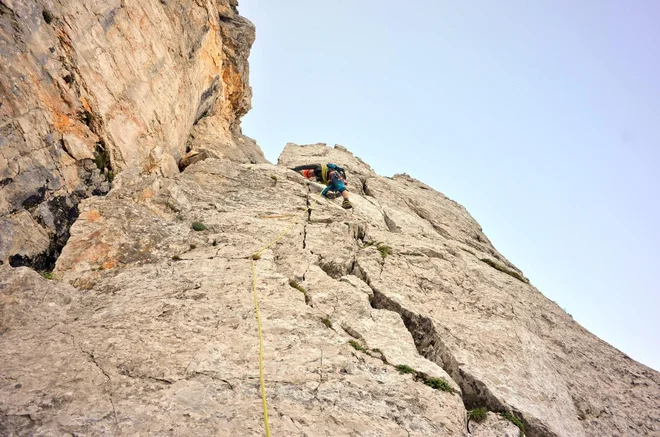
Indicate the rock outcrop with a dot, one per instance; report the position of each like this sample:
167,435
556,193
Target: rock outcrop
394,318
123,170
89,89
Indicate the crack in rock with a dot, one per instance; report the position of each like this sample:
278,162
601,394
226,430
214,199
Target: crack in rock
429,345
92,358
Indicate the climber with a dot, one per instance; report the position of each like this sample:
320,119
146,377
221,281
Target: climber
331,175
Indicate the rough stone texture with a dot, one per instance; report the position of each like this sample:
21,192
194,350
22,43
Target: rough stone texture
149,327
130,84
159,337
494,426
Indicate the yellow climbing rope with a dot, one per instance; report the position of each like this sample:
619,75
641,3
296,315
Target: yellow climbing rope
261,349
255,256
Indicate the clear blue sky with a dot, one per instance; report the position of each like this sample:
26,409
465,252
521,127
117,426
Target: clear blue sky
542,118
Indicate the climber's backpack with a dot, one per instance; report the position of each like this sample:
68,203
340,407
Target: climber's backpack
326,167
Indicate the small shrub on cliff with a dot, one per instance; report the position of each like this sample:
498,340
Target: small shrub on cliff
327,322
47,275
384,250
478,414
515,420
199,226
176,258
101,157
357,346
404,369
438,384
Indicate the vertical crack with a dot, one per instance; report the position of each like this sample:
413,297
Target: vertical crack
475,393
308,203
92,358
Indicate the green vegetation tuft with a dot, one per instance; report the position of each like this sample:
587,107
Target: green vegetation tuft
503,269
384,250
193,247
438,384
515,420
478,414
301,289
297,286
47,275
327,322
255,256
357,346
404,369
199,226
101,158
273,177
176,258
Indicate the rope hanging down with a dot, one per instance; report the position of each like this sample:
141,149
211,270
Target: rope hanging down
255,256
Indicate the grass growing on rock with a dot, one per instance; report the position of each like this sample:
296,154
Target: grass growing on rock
300,288
404,369
431,381
198,226
357,346
438,384
327,322
384,250
176,258
478,414
515,420
47,275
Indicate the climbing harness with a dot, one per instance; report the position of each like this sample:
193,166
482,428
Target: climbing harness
255,256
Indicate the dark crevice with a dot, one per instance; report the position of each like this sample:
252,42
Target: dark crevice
61,212
391,224
35,199
430,345
308,204
207,100
365,189
504,269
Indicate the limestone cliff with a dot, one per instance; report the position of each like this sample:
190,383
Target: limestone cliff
88,89
396,318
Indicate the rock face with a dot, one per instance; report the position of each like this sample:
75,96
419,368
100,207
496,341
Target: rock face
391,319
89,89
